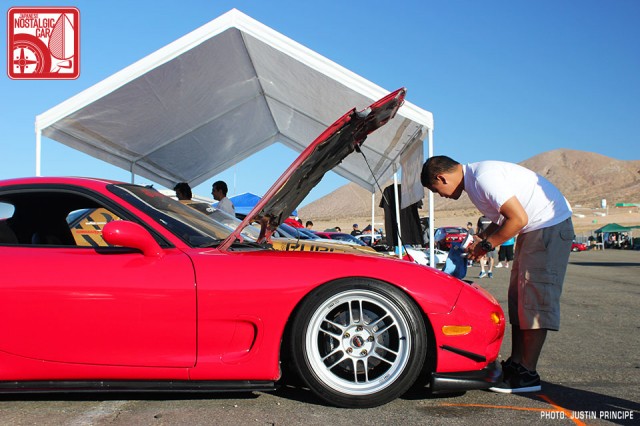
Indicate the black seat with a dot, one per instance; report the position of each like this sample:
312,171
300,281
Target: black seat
48,239
7,236
54,234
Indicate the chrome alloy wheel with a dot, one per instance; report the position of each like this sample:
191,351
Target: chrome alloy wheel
358,342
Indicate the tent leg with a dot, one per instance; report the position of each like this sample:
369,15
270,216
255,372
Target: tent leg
373,216
432,254
395,193
38,150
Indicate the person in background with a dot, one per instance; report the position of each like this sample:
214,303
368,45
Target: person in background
356,231
470,231
219,191
488,259
483,223
184,195
470,228
183,192
523,203
505,254
309,224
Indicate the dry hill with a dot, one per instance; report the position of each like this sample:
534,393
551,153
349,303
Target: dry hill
584,178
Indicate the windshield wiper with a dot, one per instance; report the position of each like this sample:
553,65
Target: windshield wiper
250,244
210,243
237,244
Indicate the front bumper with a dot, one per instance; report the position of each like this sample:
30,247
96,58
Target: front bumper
466,380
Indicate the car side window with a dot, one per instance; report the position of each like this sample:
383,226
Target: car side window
53,217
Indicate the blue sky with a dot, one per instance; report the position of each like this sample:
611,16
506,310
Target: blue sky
505,80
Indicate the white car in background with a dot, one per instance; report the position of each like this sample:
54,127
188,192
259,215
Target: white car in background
421,255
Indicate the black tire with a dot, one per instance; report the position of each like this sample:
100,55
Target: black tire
358,343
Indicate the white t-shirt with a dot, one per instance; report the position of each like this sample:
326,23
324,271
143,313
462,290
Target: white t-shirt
490,183
227,206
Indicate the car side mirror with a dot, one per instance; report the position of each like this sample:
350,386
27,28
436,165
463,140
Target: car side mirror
128,234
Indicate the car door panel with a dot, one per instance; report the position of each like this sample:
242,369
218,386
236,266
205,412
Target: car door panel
101,307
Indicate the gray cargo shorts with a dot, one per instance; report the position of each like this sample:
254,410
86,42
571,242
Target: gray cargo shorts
537,275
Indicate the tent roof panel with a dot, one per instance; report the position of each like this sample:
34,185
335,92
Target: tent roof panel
612,227
219,95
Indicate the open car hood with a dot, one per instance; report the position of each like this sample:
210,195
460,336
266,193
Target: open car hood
327,151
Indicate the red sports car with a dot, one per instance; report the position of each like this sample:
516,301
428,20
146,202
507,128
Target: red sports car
444,236
172,300
575,246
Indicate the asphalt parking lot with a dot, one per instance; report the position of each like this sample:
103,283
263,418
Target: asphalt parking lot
590,371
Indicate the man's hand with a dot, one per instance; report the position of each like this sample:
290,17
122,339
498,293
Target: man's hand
474,251
515,218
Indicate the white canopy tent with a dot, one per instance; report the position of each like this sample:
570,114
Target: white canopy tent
219,94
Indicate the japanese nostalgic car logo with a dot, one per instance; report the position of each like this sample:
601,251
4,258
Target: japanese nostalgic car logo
43,43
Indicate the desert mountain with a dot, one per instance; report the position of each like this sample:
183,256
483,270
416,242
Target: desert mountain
585,178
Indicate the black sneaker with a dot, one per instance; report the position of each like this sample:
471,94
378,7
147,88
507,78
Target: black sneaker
520,381
509,368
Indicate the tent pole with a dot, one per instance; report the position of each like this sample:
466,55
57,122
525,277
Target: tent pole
395,193
38,149
373,216
432,221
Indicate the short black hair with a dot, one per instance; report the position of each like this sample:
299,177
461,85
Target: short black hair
184,189
221,185
435,166
308,223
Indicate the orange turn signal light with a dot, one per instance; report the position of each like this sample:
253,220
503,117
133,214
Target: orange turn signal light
456,330
495,318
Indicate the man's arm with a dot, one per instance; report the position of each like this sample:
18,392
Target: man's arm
515,218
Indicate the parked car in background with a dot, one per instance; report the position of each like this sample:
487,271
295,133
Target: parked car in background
444,236
576,246
366,239
288,231
420,255
340,236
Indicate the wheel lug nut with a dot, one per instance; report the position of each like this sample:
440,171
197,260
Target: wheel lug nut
349,350
371,339
359,328
363,352
346,335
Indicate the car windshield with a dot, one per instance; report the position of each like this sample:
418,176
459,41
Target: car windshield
193,227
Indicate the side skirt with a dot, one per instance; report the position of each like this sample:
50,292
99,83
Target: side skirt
466,380
134,386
